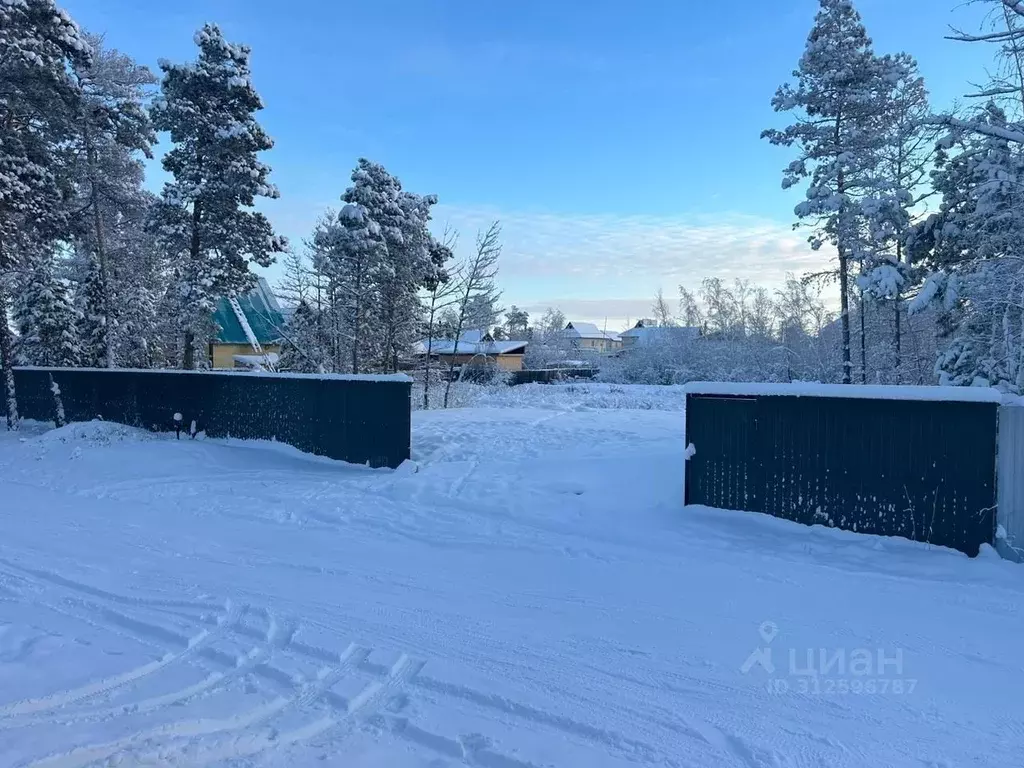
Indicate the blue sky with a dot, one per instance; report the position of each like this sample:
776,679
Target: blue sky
617,142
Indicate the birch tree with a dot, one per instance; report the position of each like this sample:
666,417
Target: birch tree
477,287
442,288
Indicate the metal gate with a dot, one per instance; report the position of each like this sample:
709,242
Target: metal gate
924,470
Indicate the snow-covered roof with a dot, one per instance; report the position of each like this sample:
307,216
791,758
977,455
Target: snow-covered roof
447,347
588,331
645,334
470,343
853,391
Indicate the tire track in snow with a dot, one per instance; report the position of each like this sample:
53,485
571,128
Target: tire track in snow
405,673
192,646
86,589
605,738
189,730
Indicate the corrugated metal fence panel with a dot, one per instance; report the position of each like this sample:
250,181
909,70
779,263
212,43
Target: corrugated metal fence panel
1011,474
726,471
922,470
361,421
548,375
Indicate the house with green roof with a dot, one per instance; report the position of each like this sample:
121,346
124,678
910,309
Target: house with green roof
248,330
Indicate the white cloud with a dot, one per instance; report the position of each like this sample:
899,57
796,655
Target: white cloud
610,266
669,249
597,266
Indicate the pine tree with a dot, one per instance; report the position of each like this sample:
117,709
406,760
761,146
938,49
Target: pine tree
304,345
348,248
205,221
404,263
39,44
839,100
136,282
94,318
972,245
517,322
904,163
45,317
114,133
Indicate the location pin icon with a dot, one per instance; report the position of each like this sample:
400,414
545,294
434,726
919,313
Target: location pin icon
768,631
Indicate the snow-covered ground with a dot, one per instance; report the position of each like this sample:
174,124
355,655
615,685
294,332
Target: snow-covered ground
530,593
581,395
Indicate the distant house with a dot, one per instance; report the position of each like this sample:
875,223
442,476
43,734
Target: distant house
248,330
645,333
476,348
589,336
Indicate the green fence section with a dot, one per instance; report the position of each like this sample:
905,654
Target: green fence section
550,375
363,420
922,470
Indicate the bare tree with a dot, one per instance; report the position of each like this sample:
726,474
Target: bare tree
296,284
444,286
477,286
690,309
662,313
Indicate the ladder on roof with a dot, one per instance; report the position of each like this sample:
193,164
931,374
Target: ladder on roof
249,333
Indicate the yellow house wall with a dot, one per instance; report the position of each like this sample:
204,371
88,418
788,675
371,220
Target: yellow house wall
505,362
602,345
224,354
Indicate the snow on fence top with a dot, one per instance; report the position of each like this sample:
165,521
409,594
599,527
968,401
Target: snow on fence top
387,377
852,391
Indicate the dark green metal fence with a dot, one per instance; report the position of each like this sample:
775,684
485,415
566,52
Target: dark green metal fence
922,470
549,375
364,420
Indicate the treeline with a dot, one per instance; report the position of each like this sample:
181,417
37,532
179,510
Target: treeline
737,331
97,271
94,269
925,211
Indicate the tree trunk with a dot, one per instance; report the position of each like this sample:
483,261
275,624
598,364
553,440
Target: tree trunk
897,331
844,267
897,341
863,341
430,349
188,358
101,249
455,349
7,362
357,315
844,305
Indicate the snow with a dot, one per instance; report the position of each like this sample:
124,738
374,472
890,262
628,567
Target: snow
257,360
588,331
855,391
533,594
572,396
